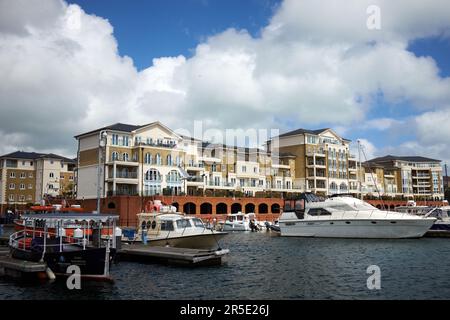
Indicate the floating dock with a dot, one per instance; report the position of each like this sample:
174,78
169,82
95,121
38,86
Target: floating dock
21,268
171,255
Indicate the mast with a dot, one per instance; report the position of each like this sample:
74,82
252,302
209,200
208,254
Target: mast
359,171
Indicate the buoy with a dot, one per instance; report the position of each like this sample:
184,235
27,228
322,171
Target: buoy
50,274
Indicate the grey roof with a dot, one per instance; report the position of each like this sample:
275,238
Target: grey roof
303,131
116,127
403,158
35,156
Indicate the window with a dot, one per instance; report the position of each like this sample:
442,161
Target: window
214,167
30,175
125,141
62,164
244,169
30,186
178,161
29,197
167,225
198,223
115,156
153,175
318,212
51,161
11,197
21,198
12,175
125,156
169,160
23,163
115,139
12,186
31,163
255,170
158,159
183,223
50,187
22,186
148,158
23,175
52,175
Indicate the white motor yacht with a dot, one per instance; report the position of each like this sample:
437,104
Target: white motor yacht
175,230
239,222
348,217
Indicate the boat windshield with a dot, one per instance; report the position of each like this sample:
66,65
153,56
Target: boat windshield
183,223
167,225
198,223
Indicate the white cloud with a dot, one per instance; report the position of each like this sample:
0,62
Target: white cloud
314,63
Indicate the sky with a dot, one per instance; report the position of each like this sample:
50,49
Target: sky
71,67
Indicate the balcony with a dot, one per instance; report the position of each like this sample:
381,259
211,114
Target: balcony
317,153
156,144
122,193
221,185
123,175
127,163
195,167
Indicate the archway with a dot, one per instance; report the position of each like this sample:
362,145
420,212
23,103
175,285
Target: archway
221,208
249,208
176,205
236,207
263,208
190,208
206,208
275,208
111,205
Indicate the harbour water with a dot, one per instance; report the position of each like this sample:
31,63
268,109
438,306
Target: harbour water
262,266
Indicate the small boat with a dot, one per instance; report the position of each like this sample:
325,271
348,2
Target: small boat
166,227
348,217
90,251
275,226
239,222
442,224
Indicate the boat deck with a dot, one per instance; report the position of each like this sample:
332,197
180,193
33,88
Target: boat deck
171,255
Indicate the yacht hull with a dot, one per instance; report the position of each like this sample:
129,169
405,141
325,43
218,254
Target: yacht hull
236,227
363,229
198,241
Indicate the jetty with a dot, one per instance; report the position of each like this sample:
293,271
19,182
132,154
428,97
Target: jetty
171,255
21,268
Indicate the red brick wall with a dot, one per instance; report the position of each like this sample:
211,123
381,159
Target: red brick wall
129,207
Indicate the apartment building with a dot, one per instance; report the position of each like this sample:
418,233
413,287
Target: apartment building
28,177
323,162
152,160
412,177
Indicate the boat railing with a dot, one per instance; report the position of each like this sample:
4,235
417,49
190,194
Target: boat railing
16,238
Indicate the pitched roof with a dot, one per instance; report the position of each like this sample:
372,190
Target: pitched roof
303,131
403,158
116,127
35,155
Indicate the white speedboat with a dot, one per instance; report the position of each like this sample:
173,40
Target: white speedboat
173,229
348,217
239,222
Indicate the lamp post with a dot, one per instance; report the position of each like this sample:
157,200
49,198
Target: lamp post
102,143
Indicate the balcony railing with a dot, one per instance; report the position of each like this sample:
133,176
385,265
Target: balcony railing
123,175
156,144
122,193
219,184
